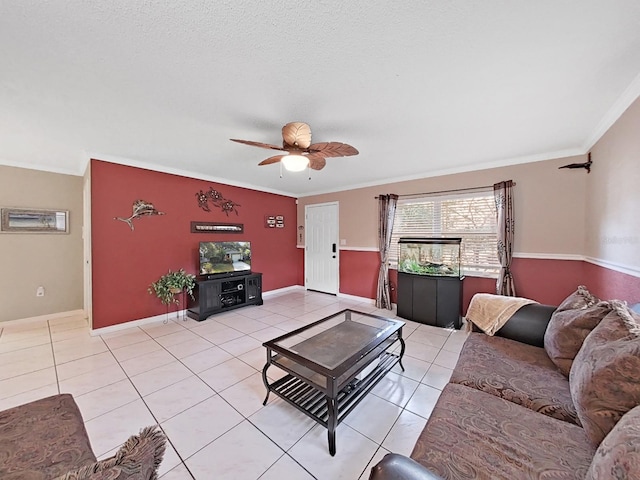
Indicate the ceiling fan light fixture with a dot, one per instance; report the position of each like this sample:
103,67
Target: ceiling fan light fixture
297,152
295,163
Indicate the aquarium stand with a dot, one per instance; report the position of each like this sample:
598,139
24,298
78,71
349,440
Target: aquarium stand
216,295
432,300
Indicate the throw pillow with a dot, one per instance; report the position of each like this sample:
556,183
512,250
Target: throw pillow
581,298
567,330
138,459
605,375
618,456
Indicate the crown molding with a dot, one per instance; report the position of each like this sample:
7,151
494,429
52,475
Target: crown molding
631,93
183,173
40,167
505,162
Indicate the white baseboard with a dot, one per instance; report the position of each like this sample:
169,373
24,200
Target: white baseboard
173,315
356,298
135,323
295,288
279,291
40,318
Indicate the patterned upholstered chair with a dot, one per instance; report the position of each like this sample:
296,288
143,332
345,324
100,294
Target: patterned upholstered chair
46,439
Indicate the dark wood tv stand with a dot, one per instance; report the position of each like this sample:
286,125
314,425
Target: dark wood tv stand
217,295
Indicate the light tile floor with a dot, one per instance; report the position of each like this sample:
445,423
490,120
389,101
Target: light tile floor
201,382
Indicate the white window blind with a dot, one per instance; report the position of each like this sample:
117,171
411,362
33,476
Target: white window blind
470,215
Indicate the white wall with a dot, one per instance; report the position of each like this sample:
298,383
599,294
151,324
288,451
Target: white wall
30,260
613,195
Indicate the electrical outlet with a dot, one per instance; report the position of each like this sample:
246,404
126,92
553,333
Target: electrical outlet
40,291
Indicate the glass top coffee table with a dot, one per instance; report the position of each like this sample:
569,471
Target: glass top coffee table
333,363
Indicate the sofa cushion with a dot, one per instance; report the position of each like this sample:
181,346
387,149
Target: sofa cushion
137,459
473,435
618,456
605,376
517,372
43,439
579,299
567,330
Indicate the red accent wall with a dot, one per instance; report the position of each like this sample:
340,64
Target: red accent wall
125,262
546,281
359,273
473,285
608,284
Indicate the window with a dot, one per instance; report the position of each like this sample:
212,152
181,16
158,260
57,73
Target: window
470,215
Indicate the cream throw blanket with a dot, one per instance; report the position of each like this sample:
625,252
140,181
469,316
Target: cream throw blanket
490,312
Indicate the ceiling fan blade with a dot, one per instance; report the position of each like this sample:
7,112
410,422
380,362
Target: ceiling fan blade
271,160
316,162
333,149
257,144
297,134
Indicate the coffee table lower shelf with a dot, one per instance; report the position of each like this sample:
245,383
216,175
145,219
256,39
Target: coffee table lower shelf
322,408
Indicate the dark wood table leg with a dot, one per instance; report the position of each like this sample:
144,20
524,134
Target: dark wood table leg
332,421
266,382
402,347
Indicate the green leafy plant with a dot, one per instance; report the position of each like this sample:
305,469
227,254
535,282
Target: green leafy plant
168,286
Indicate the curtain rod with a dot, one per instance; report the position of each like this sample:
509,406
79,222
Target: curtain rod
447,191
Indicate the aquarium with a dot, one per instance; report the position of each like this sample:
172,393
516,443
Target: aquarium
429,256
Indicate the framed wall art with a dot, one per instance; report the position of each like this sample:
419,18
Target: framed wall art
274,221
26,220
216,227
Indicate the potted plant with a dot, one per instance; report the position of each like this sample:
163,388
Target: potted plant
168,286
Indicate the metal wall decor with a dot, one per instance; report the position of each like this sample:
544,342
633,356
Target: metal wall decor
586,165
141,208
217,200
23,220
217,227
274,221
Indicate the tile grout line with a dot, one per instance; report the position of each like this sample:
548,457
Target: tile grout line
150,412
287,318
285,452
53,354
402,409
215,392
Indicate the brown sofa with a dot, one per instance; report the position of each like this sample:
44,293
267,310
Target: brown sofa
509,411
46,439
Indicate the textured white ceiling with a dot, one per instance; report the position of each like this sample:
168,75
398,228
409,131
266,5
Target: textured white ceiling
419,87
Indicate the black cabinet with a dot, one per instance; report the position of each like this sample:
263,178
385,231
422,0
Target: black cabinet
221,294
434,300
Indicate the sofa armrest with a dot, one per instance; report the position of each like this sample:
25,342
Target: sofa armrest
394,466
528,324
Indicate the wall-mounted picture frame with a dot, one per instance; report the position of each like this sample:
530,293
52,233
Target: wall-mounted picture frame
28,220
216,227
274,221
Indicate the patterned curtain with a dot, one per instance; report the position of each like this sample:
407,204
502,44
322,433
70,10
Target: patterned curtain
503,195
386,214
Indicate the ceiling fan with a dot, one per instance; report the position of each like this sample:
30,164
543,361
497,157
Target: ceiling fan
300,152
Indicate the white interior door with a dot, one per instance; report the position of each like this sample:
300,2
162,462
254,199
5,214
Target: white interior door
321,265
